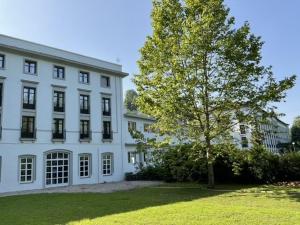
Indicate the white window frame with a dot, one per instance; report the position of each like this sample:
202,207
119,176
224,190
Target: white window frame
131,157
88,160
107,160
131,126
26,169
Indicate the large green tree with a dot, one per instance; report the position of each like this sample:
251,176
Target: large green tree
295,132
130,100
199,75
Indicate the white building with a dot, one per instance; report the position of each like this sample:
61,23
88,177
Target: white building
61,117
274,131
139,122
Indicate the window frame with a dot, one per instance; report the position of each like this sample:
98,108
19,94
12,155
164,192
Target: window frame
84,135
30,62
82,77
105,159
106,112
105,135
131,128
29,105
85,99
244,142
33,168
131,155
107,82
58,95
89,165
56,73
3,61
27,128
56,134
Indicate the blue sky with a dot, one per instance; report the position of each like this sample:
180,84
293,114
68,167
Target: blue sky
115,30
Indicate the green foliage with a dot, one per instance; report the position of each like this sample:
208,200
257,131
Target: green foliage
130,100
295,132
198,73
256,165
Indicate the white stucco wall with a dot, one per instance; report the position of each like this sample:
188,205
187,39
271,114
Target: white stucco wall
11,146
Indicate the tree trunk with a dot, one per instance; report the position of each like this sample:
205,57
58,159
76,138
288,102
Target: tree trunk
210,167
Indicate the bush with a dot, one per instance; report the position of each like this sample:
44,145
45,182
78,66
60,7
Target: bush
258,165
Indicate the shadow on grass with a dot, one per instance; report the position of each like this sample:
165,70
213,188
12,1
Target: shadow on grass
50,209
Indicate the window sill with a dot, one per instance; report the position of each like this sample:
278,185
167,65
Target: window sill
27,139
57,140
34,74
84,177
107,140
88,140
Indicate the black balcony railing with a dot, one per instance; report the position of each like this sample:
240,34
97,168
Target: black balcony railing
59,135
85,111
85,136
28,106
107,136
28,134
59,108
106,113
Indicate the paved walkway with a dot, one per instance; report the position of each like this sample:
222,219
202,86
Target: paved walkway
90,188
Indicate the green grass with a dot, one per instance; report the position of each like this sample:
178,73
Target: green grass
181,204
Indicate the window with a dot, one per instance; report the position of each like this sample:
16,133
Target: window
1,87
107,133
59,101
106,106
147,127
107,164
242,129
57,168
84,77
26,165
28,128
244,142
84,165
84,104
131,157
2,61
84,129
58,129
29,98
30,67
105,81
131,126
59,72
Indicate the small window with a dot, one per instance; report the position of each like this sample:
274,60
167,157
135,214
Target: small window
105,81
58,129
84,77
28,127
242,129
26,169
106,106
84,104
84,165
147,127
29,95
2,61
58,101
107,164
132,157
131,126
84,129
30,67
244,142
59,72
107,132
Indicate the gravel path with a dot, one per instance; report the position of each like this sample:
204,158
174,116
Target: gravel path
90,188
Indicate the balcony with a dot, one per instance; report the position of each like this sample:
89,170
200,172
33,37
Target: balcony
107,136
106,113
84,111
28,106
28,135
85,136
59,108
57,136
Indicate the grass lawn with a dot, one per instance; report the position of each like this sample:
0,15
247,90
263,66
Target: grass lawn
181,204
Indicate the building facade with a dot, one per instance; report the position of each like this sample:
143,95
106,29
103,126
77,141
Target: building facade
60,116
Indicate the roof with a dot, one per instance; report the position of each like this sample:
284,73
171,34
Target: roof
38,50
138,115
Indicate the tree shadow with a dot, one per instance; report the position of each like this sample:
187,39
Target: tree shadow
50,209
